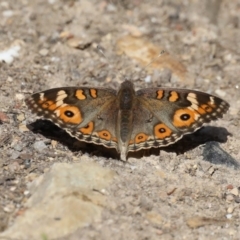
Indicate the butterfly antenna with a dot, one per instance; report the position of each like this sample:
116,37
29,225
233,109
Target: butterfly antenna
155,59
152,61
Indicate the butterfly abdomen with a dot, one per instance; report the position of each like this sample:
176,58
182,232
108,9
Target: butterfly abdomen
125,97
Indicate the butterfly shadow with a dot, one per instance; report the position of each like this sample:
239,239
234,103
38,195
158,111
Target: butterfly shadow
53,132
204,136
208,136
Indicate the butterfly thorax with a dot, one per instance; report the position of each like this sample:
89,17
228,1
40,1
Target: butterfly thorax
126,97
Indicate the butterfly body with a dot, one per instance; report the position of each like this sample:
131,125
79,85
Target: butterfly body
127,120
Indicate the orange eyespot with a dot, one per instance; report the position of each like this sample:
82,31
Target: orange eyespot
184,117
69,114
141,137
104,134
87,129
161,131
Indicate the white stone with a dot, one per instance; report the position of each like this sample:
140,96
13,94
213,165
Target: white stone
39,146
8,55
220,93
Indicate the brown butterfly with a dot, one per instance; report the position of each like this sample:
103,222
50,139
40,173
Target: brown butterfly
127,120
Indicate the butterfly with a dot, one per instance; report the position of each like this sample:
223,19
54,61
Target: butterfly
127,120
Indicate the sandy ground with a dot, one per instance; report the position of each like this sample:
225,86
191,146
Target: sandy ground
190,190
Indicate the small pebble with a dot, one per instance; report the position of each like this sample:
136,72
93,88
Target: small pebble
54,143
237,199
148,79
26,192
13,188
39,146
230,210
234,191
9,208
19,96
4,117
23,128
211,170
26,156
15,155
66,35
111,8
43,52
146,203
220,93
9,79
21,117
7,13
74,42
18,147
229,198
9,54
55,59
78,43
14,167
27,163
46,67
228,216
137,210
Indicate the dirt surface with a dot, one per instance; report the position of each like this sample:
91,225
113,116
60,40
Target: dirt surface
190,190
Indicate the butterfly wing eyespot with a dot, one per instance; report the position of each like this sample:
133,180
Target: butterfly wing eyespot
184,117
141,137
104,134
87,129
161,131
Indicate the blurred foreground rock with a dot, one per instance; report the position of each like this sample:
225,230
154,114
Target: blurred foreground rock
68,197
